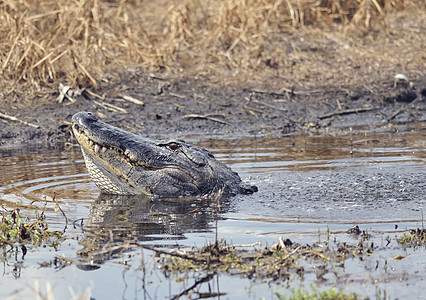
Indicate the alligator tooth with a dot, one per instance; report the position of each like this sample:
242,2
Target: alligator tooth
127,152
90,143
97,148
103,149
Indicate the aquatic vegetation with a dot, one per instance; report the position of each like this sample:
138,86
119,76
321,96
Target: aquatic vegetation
18,230
274,263
415,237
330,294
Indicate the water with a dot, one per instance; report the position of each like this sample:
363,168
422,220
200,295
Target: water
307,186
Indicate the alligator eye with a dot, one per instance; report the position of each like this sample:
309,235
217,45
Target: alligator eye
173,146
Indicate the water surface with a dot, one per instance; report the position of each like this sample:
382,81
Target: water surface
307,185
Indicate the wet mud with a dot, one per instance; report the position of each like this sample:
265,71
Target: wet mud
174,108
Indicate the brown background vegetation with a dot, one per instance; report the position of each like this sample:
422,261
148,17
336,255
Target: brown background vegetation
280,42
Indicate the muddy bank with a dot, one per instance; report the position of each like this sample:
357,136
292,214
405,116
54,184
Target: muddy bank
321,77
160,107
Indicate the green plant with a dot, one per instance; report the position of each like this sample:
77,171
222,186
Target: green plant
14,230
330,294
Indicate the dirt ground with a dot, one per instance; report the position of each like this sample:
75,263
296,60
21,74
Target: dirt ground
324,81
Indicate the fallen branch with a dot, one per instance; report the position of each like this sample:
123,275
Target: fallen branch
205,117
110,107
402,109
346,112
12,118
177,254
285,91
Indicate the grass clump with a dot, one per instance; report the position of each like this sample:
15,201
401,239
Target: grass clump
330,294
81,42
14,231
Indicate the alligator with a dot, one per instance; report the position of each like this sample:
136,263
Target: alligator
124,163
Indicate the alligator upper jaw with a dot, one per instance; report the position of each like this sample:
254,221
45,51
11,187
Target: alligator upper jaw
101,140
100,150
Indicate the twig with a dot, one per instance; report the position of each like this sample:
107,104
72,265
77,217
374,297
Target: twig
180,255
217,200
110,249
196,283
248,245
133,100
402,109
177,95
205,117
12,118
12,49
110,106
81,224
87,74
291,253
346,112
156,77
91,93
378,7
59,207
269,105
285,91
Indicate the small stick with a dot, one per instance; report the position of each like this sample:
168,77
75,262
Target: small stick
177,95
41,60
176,254
110,106
196,283
284,92
88,74
269,105
91,93
133,100
12,118
63,213
109,249
205,117
402,109
346,111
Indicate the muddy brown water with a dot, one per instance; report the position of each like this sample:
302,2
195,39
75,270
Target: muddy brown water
307,186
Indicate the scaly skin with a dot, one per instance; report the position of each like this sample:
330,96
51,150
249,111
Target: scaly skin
123,163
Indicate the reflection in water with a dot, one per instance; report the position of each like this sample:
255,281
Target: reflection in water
305,184
31,178
116,219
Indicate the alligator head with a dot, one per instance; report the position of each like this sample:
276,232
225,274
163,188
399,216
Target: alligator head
123,163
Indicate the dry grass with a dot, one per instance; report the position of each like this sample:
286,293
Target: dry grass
82,42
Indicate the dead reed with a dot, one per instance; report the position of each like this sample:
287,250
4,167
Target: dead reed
82,42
